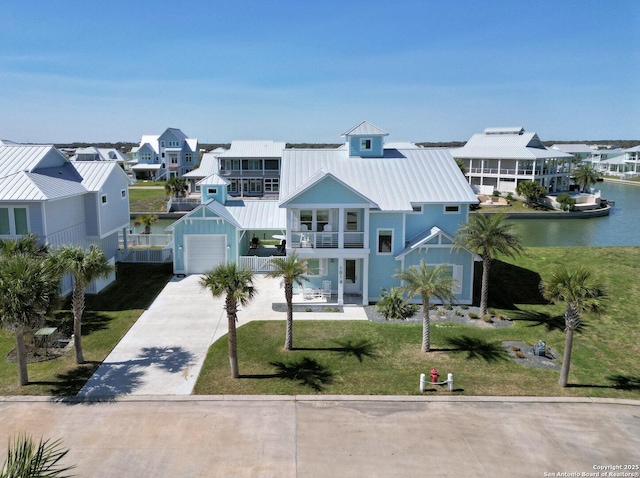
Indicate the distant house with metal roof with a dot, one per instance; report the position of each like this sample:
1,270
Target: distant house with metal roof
357,213
93,153
500,158
252,167
171,154
62,202
208,166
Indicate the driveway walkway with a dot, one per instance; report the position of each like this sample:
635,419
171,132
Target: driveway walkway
163,352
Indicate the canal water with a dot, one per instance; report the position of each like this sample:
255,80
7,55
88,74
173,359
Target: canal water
620,228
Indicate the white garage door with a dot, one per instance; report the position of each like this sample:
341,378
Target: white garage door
204,252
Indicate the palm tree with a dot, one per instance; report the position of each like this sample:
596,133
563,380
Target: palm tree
579,289
427,282
146,220
237,286
28,244
291,270
176,186
28,294
531,191
488,236
26,458
84,267
462,166
585,175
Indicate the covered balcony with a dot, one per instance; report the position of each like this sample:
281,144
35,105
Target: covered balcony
336,228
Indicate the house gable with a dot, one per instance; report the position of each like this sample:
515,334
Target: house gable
325,188
365,140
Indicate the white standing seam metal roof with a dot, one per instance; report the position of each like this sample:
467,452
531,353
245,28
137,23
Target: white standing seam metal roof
394,182
208,166
365,129
401,145
40,173
151,140
634,149
255,149
248,215
572,148
506,143
214,180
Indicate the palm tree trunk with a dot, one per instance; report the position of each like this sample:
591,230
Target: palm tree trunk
426,336
566,359
572,319
78,309
484,294
288,294
232,339
21,352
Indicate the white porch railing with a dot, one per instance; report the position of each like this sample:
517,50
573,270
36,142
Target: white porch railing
327,240
145,255
146,240
182,204
255,263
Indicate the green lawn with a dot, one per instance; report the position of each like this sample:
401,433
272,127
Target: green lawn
368,358
108,316
147,200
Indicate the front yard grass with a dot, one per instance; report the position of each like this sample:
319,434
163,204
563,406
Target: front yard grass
147,200
385,359
108,316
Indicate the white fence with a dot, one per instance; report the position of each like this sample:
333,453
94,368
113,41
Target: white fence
146,255
146,240
255,263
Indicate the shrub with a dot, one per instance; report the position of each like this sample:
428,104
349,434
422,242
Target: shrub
393,306
308,309
449,307
473,315
459,314
487,318
509,197
520,355
515,348
464,307
566,202
496,193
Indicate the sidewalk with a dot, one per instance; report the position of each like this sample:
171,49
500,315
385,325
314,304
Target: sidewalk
163,352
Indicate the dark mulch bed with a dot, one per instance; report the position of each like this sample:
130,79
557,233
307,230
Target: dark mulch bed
530,359
435,316
36,355
281,307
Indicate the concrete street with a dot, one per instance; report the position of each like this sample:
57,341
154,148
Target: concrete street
308,436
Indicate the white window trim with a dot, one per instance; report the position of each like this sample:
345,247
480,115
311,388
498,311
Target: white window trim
322,268
362,144
12,221
212,190
378,241
457,272
444,209
413,211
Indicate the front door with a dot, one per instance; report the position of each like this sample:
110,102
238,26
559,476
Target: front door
352,276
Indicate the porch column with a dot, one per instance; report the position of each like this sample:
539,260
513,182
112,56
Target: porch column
340,280
341,228
125,240
365,239
365,280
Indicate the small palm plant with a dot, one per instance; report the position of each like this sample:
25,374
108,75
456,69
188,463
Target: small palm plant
146,220
27,459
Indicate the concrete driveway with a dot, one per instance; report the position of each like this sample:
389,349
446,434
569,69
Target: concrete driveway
309,436
163,352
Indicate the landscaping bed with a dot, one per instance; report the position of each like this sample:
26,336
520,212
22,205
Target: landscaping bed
458,314
300,308
525,355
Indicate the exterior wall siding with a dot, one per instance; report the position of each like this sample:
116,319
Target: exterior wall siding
115,213
434,215
64,214
376,150
382,267
328,191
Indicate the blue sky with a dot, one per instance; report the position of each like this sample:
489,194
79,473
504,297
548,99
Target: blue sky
307,71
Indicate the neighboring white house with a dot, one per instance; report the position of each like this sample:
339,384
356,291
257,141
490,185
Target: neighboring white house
252,167
165,156
208,166
500,158
93,153
62,202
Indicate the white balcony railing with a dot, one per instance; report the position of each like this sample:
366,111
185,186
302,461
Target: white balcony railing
326,240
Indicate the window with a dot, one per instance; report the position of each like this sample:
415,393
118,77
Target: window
306,219
252,164
212,190
322,219
233,186
352,220
417,208
385,241
271,164
255,185
13,221
103,199
452,209
232,165
317,267
162,144
174,159
271,185
123,193
187,157
456,273
365,144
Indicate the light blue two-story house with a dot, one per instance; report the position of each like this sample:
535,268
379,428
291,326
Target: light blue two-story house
62,202
357,213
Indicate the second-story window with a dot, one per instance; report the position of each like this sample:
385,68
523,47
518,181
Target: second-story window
385,241
187,157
